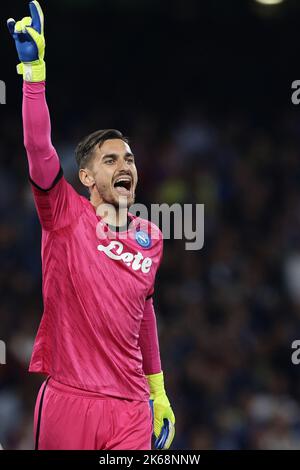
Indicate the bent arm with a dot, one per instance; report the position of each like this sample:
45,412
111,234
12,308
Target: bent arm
43,160
148,340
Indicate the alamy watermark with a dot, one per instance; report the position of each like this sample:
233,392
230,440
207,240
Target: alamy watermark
296,94
176,221
2,92
296,354
2,353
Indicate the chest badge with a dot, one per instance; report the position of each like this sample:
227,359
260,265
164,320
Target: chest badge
143,239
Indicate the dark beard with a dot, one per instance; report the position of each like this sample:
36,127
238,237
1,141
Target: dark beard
124,203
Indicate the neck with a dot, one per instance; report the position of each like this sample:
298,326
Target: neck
111,215
116,217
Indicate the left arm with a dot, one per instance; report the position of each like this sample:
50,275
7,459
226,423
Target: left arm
148,340
164,418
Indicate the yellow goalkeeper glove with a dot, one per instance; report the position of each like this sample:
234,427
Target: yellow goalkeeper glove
30,43
163,416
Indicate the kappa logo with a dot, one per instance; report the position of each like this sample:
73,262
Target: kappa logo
115,251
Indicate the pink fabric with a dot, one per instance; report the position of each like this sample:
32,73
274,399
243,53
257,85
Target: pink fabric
95,283
75,420
42,157
148,340
94,304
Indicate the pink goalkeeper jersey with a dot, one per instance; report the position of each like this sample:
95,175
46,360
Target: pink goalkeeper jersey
95,284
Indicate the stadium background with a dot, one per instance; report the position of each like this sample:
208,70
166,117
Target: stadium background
203,90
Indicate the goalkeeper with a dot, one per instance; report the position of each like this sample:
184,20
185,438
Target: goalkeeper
97,341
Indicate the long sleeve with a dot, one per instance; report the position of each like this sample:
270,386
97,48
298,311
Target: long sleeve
148,340
43,160
57,203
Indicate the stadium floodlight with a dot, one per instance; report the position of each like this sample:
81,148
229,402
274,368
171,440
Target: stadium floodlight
269,2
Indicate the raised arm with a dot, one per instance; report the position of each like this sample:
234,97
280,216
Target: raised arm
57,203
30,43
43,160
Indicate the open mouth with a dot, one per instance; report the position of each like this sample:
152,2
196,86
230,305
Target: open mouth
123,185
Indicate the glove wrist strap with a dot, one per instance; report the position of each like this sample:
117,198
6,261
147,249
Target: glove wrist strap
156,384
32,71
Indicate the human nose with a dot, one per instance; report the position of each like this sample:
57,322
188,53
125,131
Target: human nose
124,165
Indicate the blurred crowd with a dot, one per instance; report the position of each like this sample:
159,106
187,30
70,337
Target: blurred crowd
227,314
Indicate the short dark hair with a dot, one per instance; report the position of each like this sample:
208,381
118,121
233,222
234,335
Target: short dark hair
84,150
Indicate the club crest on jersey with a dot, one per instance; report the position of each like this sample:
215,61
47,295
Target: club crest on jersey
115,251
143,239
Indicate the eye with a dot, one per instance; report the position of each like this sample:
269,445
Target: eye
109,161
130,160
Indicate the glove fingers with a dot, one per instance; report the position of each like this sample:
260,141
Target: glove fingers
20,26
166,436
21,34
37,16
171,435
33,34
11,25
